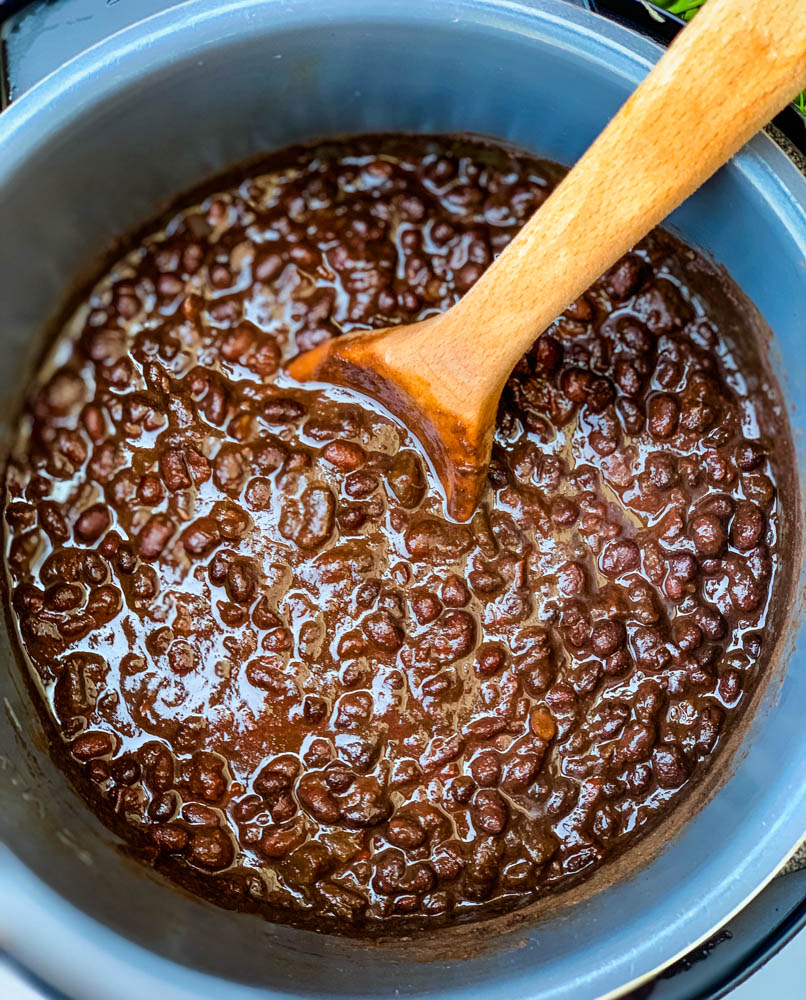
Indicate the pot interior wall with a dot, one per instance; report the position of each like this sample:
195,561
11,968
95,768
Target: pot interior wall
99,160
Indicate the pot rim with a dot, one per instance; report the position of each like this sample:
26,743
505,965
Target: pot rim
199,26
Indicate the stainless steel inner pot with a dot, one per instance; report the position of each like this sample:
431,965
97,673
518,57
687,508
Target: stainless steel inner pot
96,150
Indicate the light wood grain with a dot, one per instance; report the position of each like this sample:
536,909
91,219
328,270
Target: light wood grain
722,79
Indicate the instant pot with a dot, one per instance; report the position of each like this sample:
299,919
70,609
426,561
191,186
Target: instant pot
97,149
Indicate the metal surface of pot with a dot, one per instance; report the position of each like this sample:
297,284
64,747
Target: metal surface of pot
96,150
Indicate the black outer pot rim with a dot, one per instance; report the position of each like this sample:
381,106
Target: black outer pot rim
767,948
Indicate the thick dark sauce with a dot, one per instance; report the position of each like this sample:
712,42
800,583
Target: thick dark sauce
273,658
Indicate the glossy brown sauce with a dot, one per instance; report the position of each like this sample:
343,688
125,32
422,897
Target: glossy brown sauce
274,659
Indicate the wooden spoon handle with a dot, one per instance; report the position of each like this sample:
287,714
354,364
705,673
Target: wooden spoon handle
722,79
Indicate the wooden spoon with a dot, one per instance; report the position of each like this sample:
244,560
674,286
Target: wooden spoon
720,81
